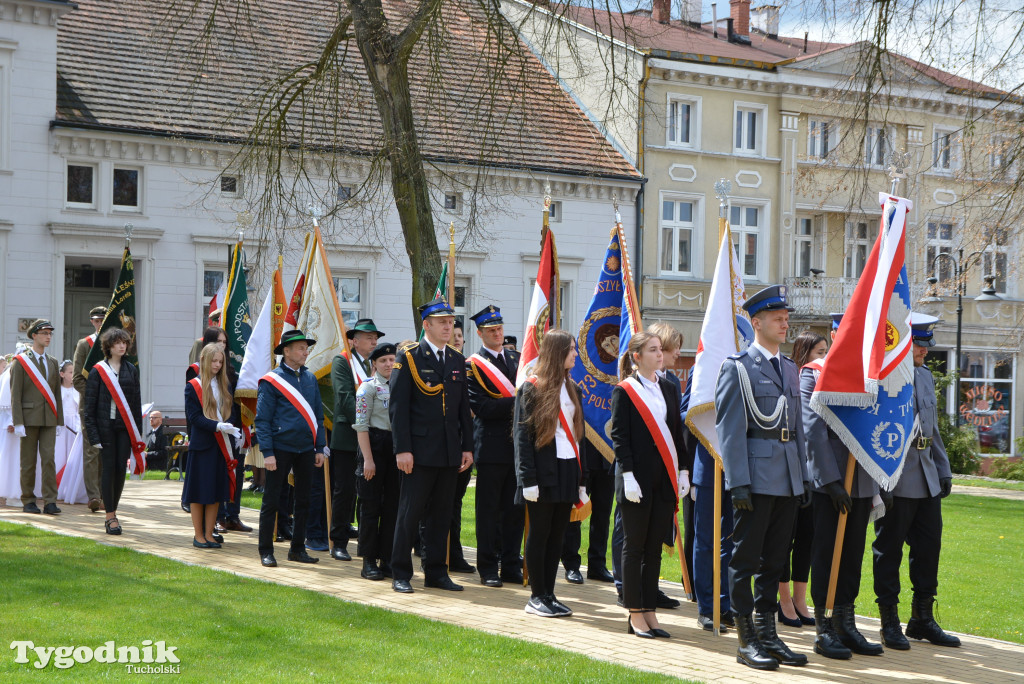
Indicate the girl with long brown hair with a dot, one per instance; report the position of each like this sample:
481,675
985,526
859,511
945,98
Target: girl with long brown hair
208,407
548,428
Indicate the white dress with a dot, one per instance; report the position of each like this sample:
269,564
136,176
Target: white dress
68,452
10,449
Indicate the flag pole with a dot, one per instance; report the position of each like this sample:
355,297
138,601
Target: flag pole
451,264
316,212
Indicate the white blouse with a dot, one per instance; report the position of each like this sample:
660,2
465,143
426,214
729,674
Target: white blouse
563,446
655,397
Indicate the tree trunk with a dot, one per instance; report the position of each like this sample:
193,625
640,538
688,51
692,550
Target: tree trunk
387,59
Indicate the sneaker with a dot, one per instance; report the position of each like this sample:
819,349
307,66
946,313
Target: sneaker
560,607
538,607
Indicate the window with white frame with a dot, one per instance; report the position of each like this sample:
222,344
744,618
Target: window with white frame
351,289
80,182
994,261
822,138
555,212
229,185
453,202
877,145
807,245
1000,156
944,149
748,134
678,222
126,189
682,123
214,278
748,234
985,398
461,303
939,234
860,238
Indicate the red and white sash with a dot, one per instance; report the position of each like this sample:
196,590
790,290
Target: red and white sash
222,441
295,397
138,461
195,367
658,428
358,373
497,378
91,340
567,428
36,376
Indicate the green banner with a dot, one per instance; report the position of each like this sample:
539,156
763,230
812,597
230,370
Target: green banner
234,315
440,291
120,314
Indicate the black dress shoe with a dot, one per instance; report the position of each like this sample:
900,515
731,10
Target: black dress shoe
491,581
353,533
573,576
30,508
338,553
707,623
600,574
402,586
512,577
236,525
660,633
370,571
51,509
666,601
642,635
268,560
220,527
462,566
200,544
217,538
443,583
794,622
213,545
302,557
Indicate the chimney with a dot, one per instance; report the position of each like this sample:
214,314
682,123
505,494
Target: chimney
692,12
661,11
766,20
739,10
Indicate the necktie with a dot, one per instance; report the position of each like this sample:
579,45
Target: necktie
777,366
41,362
500,361
440,356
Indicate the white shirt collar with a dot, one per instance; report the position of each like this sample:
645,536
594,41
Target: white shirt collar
647,383
433,347
765,353
495,354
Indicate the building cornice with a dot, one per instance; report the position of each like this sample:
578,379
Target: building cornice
39,12
139,233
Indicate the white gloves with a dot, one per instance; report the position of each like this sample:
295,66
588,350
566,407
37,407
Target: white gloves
693,493
239,440
684,484
225,427
19,430
327,451
97,446
632,487
531,493
583,496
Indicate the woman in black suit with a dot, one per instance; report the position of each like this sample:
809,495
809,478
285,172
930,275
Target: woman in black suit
646,488
103,423
548,460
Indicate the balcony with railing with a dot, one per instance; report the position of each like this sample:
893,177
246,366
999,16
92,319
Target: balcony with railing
818,296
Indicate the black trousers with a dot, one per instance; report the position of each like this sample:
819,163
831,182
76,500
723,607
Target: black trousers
499,521
426,494
645,527
543,544
617,536
117,448
761,544
918,522
378,501
301,464
343,498
798,560
826,520
455,554
688,533
601,490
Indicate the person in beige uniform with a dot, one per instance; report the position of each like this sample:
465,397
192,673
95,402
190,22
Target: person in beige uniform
35,421
91,455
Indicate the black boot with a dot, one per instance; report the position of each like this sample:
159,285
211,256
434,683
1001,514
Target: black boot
892,634
750,651
770,641
922,623
845,623
827,642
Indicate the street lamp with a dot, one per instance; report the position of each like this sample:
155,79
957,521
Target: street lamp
988,294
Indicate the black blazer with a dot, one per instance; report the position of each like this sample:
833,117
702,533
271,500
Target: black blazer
96,414
437,427
537,467
492,416
635,450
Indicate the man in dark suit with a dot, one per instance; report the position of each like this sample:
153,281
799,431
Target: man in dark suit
37,416
915,517
761,433
499,521
90,454
433,435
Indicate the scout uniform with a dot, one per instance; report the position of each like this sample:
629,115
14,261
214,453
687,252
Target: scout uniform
91,455
915,517
430,418
36,415
761,434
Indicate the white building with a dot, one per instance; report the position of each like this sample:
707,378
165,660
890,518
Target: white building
95,133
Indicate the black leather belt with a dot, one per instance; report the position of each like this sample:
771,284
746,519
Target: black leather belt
780,434
923,443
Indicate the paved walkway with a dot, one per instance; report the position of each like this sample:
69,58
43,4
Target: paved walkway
1011,494
154,523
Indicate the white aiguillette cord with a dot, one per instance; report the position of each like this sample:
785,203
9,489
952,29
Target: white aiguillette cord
763,421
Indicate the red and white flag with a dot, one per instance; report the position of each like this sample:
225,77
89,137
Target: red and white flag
543,306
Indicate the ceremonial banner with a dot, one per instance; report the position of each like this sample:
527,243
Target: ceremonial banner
726,331
259,353
319,315
604,335
234,316
440,291
218,301
120,314
543,305
866,388
292,312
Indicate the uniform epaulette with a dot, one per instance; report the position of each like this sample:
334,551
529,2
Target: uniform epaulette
408,347
737,356
453,349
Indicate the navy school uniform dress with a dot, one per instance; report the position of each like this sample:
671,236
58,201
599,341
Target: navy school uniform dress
206,480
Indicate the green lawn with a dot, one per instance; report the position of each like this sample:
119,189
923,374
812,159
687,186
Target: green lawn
1008,484
68,591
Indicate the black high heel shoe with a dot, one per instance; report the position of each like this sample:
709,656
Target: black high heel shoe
809,621
795,622
642,635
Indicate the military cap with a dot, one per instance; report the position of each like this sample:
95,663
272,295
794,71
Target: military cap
383,349
436,307
39,325
98,312
489,317
770,298
921,329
